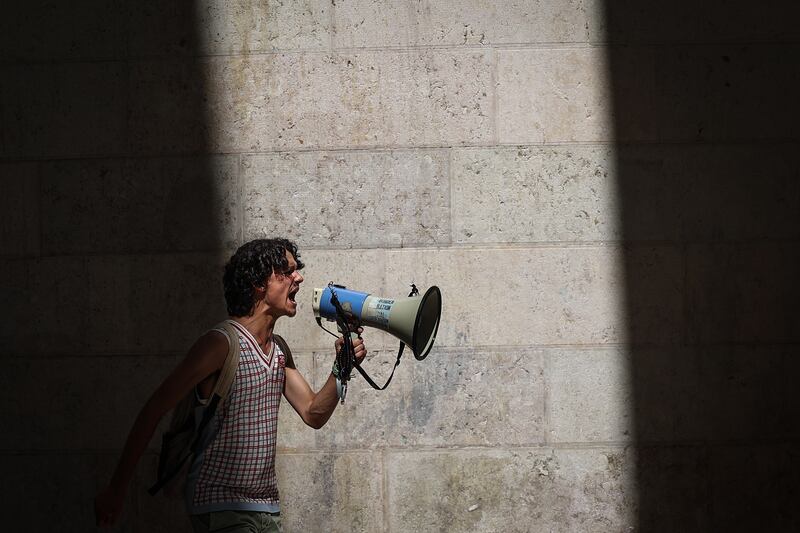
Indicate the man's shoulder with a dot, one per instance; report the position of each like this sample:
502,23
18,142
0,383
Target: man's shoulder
213,345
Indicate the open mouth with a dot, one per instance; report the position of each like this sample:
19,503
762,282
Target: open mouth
292,295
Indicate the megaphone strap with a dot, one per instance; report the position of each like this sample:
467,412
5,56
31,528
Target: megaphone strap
396,364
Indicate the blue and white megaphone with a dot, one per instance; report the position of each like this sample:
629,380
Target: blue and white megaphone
413,319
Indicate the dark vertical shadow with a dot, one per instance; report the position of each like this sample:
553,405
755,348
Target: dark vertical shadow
108,211
705,98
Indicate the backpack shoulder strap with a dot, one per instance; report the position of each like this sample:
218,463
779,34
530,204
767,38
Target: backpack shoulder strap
282,345
228,372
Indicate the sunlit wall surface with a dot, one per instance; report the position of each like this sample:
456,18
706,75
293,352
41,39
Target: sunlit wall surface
467,145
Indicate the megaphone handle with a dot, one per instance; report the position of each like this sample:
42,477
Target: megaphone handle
346,359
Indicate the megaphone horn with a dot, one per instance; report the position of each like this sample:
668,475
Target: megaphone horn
414,319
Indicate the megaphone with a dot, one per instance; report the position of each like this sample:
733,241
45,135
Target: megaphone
414,319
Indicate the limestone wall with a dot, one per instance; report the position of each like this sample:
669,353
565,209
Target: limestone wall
472,145
463,145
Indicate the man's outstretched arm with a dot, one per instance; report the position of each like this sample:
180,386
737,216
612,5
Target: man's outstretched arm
316,408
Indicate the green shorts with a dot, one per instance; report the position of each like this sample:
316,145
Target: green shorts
236,522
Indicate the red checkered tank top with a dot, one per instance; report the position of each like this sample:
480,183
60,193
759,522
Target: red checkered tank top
236,470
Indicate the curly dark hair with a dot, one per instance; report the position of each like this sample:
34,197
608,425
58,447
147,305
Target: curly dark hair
250,266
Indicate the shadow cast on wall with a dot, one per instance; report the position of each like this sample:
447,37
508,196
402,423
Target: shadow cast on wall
109,221
707,121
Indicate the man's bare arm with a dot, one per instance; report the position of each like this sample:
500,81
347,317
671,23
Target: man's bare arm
203,359
315,408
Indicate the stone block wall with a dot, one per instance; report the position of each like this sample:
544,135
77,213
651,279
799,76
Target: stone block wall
520,155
